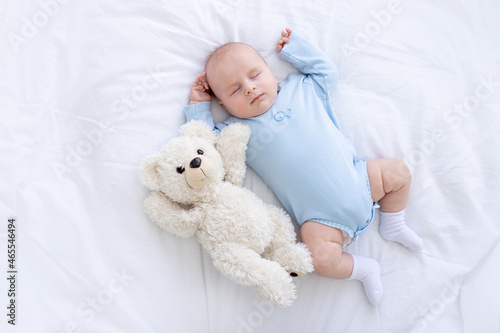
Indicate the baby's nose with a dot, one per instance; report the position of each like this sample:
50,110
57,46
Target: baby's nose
250,89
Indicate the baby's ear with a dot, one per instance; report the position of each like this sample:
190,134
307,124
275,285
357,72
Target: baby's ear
150,175
198,129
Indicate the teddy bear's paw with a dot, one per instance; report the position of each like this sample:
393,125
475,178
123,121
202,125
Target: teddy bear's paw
157,205
293,273
303,262
236,132
169,215
279,291
152,207
295,258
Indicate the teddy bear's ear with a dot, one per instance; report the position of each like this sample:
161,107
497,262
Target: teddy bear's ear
198,129
150,176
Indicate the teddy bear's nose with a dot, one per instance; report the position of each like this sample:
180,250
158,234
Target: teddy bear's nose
195,163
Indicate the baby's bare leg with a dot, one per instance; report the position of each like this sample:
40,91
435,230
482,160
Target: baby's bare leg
325,245
390,182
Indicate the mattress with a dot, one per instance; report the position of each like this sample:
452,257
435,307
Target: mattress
89,88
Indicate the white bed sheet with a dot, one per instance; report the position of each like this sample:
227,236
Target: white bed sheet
88,88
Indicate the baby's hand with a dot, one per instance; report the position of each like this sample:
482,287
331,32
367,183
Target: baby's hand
285,38
200,90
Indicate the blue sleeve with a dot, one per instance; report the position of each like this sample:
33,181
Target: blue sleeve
201,111
311,61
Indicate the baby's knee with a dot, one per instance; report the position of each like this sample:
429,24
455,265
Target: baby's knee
404,171
326,257
398,173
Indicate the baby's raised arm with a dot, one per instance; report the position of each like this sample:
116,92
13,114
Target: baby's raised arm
308,59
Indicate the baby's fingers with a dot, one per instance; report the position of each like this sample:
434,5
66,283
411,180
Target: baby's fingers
200,77
286,32
282,42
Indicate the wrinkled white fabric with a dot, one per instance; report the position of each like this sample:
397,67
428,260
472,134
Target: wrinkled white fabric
89,88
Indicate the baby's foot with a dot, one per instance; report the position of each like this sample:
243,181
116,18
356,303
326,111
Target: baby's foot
367,271
394,228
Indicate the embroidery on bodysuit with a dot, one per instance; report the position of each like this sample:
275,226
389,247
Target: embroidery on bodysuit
281,115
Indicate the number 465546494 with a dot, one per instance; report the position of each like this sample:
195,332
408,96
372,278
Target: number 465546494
11,243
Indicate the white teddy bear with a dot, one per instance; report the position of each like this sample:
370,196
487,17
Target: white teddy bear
197,179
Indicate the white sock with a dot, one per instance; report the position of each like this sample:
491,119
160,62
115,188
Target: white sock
393,228
367,271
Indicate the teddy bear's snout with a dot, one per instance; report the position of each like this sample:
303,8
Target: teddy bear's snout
195,163
201,172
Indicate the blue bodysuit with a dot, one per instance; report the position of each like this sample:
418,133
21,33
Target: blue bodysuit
298,150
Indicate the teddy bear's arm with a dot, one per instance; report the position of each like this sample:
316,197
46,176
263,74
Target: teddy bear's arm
232,145
170,216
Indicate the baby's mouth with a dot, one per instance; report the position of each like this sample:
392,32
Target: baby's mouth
257,98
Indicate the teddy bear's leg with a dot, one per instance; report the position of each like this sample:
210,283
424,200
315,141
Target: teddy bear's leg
247,267
294,257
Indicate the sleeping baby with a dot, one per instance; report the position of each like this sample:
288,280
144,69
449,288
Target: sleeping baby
296,146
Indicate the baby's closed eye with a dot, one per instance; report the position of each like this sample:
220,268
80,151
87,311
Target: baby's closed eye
235,90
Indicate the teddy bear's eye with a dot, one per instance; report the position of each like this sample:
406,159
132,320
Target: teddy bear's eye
180,169
200,152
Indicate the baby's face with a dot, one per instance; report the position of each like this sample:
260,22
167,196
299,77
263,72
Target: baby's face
242,81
